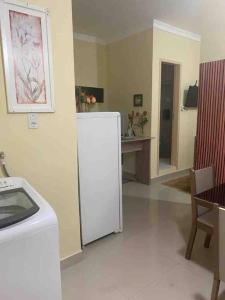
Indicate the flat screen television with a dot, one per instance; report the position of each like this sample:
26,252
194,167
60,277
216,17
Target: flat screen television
192,96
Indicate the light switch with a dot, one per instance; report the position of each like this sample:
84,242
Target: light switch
32,121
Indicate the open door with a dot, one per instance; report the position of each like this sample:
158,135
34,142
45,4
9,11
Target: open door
169,104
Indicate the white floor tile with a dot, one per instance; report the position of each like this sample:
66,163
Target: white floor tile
146,261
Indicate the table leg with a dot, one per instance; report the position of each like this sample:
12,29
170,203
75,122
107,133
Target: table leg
143,163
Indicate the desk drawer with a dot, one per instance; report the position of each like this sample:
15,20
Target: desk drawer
132,146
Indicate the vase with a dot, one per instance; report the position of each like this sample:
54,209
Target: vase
130,131
84,107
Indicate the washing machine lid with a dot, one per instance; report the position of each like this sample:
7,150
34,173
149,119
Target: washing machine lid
15,205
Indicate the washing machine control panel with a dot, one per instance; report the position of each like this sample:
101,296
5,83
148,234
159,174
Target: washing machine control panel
7,183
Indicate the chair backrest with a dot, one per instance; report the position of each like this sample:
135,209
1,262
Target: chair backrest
202,180
221,238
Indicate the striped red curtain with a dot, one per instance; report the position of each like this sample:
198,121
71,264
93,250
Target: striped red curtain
210,138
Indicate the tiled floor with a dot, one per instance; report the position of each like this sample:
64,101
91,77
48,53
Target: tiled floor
147,260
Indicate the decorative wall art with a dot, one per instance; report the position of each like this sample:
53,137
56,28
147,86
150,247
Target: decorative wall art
86,96
27,57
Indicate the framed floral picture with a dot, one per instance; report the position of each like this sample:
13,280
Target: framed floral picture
27,57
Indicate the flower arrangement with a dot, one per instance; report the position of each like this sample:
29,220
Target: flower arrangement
87,100
142,120
131,118
137,120
130,130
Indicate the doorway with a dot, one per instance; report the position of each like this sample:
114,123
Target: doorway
168,115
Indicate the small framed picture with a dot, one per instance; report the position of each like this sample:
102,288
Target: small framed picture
138,100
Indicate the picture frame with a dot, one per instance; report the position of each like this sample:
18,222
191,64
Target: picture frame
138,100
27,57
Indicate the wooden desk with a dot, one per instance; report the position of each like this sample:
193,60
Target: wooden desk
140,145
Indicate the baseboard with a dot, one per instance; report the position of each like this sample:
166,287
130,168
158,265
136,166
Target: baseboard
174,174
71,260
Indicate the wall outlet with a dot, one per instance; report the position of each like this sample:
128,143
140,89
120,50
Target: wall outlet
32,120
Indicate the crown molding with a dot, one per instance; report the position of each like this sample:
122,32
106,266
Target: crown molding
88,38
155,24
175,30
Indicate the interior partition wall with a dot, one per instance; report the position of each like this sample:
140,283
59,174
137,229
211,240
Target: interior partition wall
210,137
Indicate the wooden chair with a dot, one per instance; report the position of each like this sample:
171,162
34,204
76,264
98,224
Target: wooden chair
220,250
202,211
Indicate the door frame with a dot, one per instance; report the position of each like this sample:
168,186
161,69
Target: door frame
176,109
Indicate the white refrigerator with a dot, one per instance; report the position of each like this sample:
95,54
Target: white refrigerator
100,179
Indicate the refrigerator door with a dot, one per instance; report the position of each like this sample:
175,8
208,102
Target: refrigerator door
99,155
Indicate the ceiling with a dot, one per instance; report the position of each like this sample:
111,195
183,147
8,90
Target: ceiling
112,19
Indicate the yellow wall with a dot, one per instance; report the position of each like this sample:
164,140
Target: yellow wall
46,157
129,72
134,67
91,68
186,52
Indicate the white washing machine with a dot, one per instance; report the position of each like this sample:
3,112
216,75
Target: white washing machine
29,244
